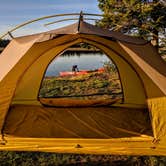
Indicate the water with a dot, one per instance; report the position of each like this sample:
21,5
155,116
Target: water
84,61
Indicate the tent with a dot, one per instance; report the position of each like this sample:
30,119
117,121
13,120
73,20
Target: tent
136,126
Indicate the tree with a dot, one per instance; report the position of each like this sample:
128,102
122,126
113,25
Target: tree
144,18
4,43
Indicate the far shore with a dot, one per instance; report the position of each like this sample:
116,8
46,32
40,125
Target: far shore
75,49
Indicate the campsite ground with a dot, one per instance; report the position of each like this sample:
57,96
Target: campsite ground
53,159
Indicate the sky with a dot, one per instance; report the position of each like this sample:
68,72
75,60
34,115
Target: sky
14,12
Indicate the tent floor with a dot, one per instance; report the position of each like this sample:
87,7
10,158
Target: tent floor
87,122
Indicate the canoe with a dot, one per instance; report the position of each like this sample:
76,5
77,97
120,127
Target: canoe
81,72
71,73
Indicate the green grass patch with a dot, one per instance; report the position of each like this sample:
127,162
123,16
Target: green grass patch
91,84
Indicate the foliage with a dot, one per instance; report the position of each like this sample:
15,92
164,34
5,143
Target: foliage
53,159
136,17
110,67
84,45
4,43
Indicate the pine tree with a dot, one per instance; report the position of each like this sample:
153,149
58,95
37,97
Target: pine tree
144,18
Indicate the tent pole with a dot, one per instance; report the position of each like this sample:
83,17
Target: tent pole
45,17
68,19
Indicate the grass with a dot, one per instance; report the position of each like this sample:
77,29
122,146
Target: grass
91,85
53,159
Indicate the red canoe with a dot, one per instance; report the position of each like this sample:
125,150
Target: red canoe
81,72
70,73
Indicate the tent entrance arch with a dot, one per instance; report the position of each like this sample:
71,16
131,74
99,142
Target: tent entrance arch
129,78
81,76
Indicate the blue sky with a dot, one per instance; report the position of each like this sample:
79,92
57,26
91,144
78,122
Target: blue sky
14,12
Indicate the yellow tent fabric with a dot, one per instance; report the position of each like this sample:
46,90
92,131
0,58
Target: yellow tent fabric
77,123
135,126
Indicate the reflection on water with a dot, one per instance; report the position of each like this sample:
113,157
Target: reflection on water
84,61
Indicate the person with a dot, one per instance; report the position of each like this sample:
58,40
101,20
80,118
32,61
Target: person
75,69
